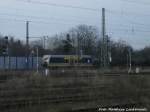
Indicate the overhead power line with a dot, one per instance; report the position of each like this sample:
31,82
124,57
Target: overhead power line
13,19
44,18
49,18
123,35
71,16
35,21
128,13
136,2
124,25
128,20
129,30
61,5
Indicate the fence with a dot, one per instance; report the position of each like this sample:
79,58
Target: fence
19,63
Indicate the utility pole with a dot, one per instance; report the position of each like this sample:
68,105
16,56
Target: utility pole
27,44
108,51
37,55
44,39
78,48
130,61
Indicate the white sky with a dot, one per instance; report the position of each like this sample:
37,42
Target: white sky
125,20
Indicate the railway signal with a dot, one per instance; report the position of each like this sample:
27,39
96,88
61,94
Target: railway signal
4,50
5,46
6,40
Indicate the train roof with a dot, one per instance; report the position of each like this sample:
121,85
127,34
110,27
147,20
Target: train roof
88,56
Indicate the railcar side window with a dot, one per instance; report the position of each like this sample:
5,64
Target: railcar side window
57,60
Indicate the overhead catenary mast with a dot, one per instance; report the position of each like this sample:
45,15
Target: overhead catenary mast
103,59
27,44
104,46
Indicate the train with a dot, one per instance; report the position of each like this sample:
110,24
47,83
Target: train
57,61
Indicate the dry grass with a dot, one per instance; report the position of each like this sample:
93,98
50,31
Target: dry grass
80,86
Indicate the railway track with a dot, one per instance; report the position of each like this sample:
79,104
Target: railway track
80,87
59,95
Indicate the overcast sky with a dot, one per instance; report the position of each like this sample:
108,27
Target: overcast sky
125,19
